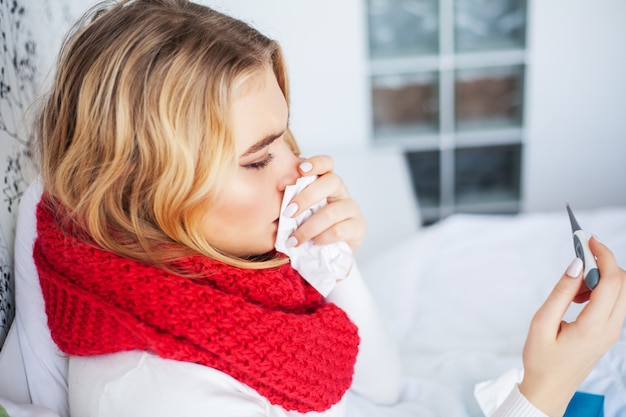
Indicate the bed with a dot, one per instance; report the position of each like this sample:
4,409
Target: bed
458,295
461,294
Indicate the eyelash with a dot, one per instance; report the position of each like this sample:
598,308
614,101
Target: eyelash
261,164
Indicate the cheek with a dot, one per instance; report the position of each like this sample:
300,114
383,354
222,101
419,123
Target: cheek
247,202
242,221
237,208
243,226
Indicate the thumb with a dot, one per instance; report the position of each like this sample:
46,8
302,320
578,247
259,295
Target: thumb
553,309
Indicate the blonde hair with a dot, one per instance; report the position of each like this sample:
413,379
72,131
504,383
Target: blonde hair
134,137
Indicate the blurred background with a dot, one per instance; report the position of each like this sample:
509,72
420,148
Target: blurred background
493,106
498,105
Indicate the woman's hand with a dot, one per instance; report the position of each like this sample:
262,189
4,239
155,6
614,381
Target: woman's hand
340,219
559,355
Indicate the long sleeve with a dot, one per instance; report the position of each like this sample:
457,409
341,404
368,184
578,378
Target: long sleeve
140,384
516,405
377,372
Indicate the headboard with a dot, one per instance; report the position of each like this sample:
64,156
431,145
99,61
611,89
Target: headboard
17,86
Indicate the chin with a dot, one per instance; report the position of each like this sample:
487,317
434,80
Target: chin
263,252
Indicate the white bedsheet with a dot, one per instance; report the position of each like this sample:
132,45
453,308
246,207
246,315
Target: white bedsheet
460,296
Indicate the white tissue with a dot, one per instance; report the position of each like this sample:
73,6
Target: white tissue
320,265
490,394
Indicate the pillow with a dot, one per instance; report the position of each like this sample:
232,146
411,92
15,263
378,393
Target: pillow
13,383
45,365
12,409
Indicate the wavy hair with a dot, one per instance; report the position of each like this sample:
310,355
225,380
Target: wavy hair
134,138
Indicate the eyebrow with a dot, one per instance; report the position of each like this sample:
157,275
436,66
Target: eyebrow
262,143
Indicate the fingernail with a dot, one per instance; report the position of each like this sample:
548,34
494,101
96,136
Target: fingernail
291,242
306,166
595,237
290,210
575,268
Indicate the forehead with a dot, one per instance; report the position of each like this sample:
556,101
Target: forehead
259,109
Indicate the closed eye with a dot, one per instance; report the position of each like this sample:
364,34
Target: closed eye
260,164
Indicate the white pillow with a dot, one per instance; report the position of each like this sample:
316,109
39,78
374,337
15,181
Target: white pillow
21,410
45,365
13,383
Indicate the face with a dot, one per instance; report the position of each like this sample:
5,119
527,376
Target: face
245,219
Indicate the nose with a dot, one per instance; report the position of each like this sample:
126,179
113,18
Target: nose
289,172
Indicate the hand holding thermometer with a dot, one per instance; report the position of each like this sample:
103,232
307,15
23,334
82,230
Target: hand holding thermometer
581,246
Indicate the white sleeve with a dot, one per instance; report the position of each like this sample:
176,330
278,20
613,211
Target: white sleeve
138,384
516,405
377,372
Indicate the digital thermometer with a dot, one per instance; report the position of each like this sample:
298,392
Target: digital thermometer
581,246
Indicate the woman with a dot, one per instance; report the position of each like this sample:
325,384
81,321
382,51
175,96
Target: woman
165,155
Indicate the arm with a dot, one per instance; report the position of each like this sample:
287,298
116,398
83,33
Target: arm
559,355
377,370
135,383
516,405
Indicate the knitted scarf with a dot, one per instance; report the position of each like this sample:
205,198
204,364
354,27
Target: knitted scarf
266,328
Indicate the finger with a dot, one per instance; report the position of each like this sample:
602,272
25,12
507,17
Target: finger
619,312
325,218
340,231
351,229
316,165
608,292
326,187
583,295
614,279
343,232
604,257
550,314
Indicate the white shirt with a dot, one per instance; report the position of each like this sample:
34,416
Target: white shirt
137,383
141,384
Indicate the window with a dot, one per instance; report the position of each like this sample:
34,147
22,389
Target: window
447,87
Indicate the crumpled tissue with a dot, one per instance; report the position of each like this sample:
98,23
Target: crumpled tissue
320,265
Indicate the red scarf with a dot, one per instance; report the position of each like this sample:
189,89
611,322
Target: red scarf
266,328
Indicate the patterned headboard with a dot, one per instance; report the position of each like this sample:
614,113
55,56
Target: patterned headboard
31,35
17,88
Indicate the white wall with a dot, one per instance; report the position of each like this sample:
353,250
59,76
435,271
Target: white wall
575,144
326,52
576,87
576,108
324,43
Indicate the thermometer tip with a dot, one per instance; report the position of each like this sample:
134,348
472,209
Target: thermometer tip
572,219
